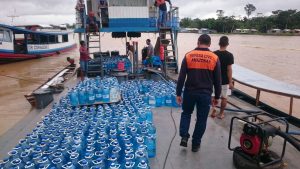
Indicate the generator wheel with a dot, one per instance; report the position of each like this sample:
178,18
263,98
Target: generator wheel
240,162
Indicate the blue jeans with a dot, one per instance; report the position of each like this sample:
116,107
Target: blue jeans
84,66
202,102
162,18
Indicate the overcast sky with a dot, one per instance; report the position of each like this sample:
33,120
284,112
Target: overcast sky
62,11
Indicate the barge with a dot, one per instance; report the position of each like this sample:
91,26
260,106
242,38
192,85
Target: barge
214,152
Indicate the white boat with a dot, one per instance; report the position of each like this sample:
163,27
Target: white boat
21,43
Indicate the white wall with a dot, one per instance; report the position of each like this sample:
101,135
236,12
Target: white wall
128,12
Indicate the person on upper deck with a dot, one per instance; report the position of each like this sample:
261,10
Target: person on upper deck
200,72
161,4
80,7
226,60
92,24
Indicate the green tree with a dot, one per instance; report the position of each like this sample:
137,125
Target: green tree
282,19
249,8
220,13
186,22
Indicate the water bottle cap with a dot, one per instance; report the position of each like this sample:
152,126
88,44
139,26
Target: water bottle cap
16,161
56,161
12,153
83,162
129,156
74,156
43,166
113,157
24,154
36,155
29,164
114,166
88,155
44,159
97,161
129,164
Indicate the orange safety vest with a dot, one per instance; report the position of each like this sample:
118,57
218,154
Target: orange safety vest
197,59
159,2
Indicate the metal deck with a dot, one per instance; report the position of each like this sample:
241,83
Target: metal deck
212,155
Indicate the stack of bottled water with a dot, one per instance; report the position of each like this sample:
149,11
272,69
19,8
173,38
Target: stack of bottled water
153,93
97,90
110,63
111,136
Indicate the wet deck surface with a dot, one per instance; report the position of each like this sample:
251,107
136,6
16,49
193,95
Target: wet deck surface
212,155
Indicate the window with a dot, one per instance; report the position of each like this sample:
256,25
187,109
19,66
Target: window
52,39
43,39
128,3
1,35
65,38
5,36
32,39
59,39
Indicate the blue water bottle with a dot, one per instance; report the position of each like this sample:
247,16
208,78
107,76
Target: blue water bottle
82,97
149,115
17,163
29,165
99,163
105,96
142,165
129,165
69,165
57,162
74,98
169,100
90,95
151,145
158,100
83,164
114,166
98,94
25,156
152,101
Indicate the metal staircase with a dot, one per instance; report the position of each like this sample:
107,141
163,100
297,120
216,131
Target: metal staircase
93,42
170,50
93,45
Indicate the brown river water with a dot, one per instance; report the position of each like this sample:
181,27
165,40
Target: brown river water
275,56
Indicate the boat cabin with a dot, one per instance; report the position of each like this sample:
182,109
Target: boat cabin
123,16
16,40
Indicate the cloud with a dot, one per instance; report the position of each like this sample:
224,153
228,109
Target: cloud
207,8
62,11
38,11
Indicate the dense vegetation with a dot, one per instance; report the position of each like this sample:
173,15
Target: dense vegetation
288,19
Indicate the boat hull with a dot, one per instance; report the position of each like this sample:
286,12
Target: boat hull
13,57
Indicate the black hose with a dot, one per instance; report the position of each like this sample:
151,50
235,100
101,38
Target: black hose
170,145
289,139
174,123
